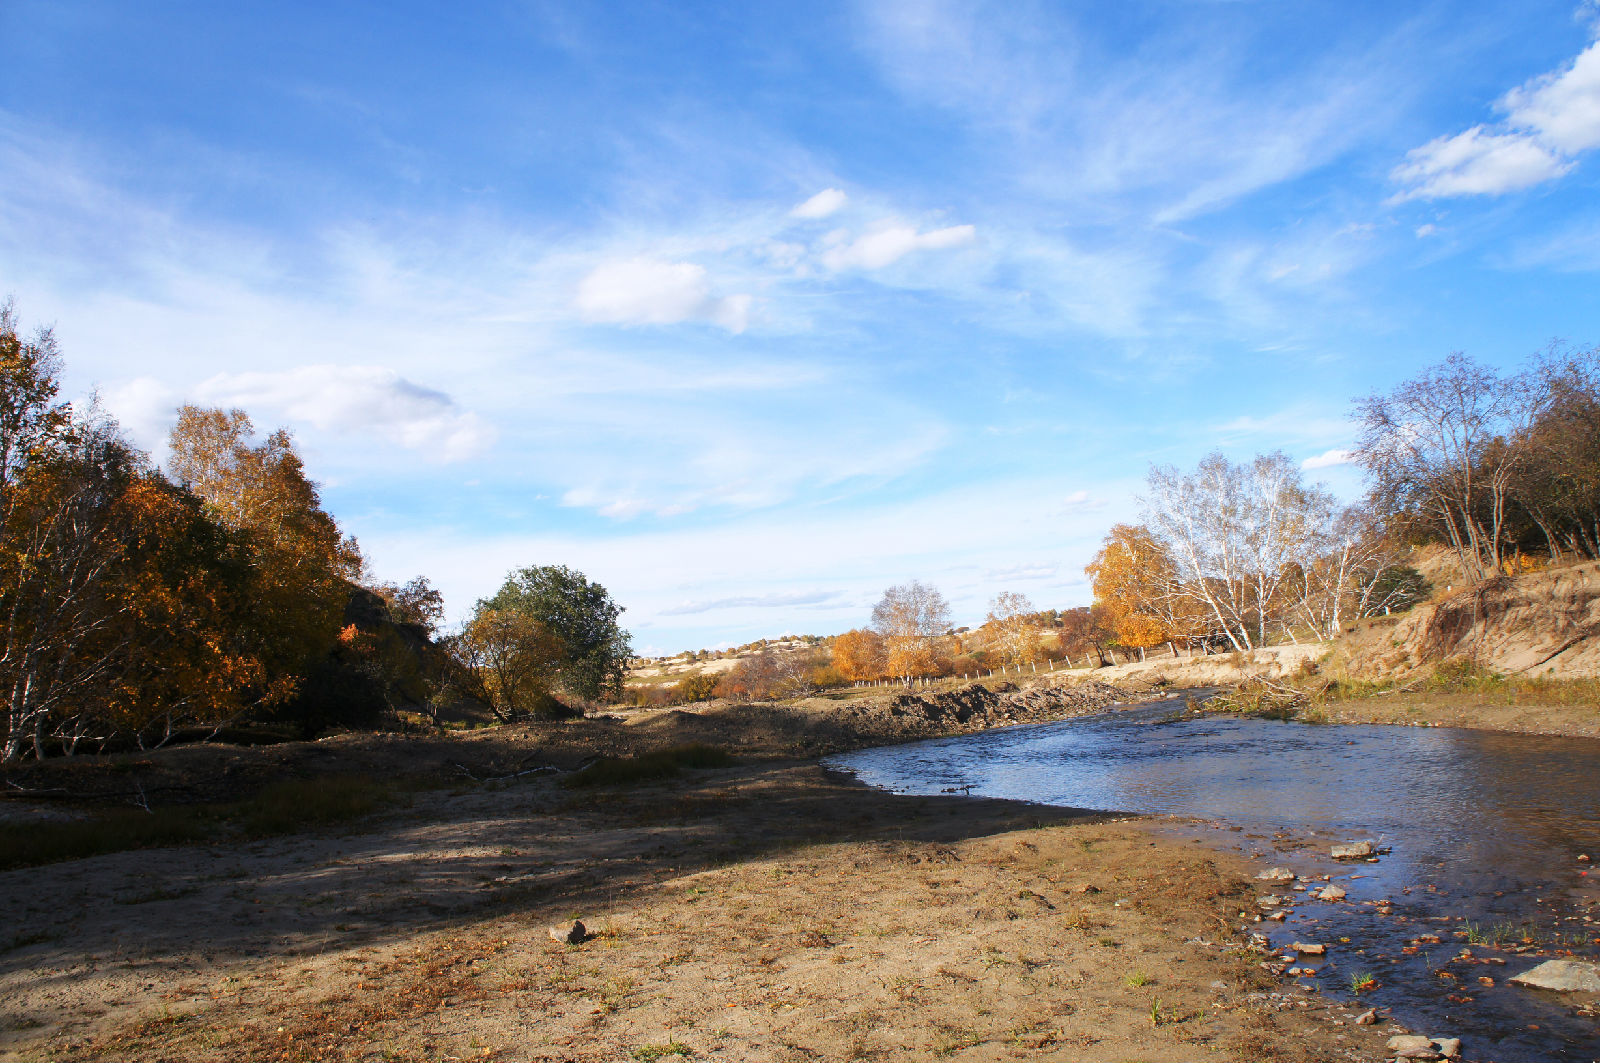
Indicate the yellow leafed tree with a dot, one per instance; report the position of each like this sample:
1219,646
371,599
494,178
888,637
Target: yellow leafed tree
1133,580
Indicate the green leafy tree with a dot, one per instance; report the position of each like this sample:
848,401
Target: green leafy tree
582,619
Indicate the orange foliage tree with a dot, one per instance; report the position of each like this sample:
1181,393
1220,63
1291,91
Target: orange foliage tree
302,566
1134,582
859,654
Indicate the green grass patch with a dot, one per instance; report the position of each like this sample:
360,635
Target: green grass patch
282,808
661,764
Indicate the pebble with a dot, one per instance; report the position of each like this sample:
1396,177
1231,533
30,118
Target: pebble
575,934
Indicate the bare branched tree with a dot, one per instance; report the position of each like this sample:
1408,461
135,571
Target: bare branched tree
1447,445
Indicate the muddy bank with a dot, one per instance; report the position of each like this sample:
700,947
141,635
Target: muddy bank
774,911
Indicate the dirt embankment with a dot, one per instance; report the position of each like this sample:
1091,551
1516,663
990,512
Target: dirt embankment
1540,624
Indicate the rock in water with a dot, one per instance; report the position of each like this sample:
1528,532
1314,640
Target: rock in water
1305,949
1563,976
1353,851
1411,1046
1330,893
1276,874
576,934
1449,1047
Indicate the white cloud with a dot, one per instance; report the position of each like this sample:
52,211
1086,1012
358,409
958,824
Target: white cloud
756,601
642,291
145,409
889,244
1027,572
1549,120
343,399
1328,459
1424,231
1081,502
1477,163
1562,108
824,203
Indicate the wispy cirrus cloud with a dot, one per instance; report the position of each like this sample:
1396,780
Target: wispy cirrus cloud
792,600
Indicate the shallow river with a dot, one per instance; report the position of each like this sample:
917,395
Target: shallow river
1485,830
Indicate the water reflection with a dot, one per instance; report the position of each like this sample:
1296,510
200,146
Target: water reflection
1484,827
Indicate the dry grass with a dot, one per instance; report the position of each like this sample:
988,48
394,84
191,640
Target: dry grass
1307,696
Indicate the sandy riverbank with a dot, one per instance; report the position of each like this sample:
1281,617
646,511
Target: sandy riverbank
769,910
772,911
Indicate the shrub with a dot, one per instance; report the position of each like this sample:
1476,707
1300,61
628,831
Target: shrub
698,687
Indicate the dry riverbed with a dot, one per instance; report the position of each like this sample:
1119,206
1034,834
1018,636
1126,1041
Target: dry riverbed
770,910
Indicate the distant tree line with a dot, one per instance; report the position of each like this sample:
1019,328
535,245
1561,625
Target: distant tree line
1500,468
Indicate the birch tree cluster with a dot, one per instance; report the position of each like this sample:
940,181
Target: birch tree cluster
1242,554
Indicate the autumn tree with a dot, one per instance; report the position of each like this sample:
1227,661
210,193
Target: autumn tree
1556,484
1011,622
303,567
123,604
1136,583
770,674
909,617
859,654
514,659
416,602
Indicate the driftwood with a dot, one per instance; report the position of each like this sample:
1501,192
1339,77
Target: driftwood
521,771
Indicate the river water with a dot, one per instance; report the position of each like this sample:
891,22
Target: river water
1484,831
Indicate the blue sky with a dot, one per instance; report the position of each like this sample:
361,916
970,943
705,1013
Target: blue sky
749,311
